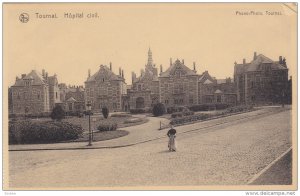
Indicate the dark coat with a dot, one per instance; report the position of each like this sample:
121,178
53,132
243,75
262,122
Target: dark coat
171,132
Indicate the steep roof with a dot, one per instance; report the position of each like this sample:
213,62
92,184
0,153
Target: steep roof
205,77
207,81
34,76
257,65
177,65
104,71
71,99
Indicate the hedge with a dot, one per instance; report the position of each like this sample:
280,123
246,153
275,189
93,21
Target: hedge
30,132
207,107
107,126
121,115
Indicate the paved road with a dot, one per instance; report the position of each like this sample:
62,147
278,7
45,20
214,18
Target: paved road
228,154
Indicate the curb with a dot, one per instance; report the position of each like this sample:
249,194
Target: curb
268,166
141,142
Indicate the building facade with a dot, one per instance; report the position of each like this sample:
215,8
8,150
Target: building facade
72,98
30,94
105,88
178,85
144,91
216,91
262,81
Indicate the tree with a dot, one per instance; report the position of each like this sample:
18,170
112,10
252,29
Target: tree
105,112
158,109
57,113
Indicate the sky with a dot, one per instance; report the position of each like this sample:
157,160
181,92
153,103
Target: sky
212,35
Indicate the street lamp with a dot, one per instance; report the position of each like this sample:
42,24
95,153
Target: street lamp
89,109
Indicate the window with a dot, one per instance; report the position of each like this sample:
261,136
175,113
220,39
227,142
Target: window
252,84
114,105
56,95
139,87
191,101
70,107
38,95
25,95
219,98
178,88
166,101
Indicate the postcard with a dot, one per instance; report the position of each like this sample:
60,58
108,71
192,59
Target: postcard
150,96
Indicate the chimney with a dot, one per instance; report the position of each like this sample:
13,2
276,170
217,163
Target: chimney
119,71
280,59
23,76
194,65
182,61
133,77
284,62
110,66
43,73
89,73
161,68
244,61
171,61
122,73
254,56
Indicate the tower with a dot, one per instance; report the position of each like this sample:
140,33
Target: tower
150,61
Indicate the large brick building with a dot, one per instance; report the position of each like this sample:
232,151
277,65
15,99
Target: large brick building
31,93
72,98
262,81
178,85
105,88
144,91
216,91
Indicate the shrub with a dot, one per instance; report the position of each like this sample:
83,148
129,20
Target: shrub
29,132
188,113
107,126
176,115
121,115
171,110
57,113
158,109
191,118
137,111
240,108
202,107
221,106
105,112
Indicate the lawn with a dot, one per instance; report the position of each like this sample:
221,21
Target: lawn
101,136
122,121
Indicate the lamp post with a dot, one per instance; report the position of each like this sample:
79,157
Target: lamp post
89,108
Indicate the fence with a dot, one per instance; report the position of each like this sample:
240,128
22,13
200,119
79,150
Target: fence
164,125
